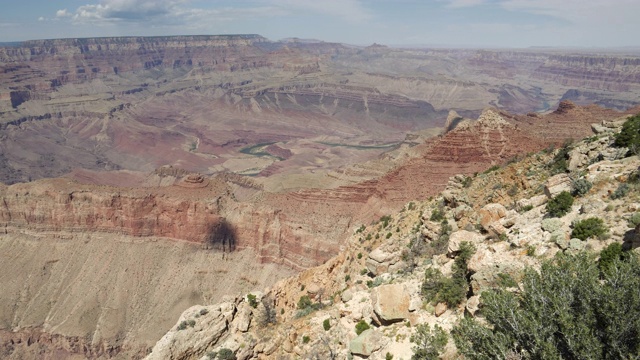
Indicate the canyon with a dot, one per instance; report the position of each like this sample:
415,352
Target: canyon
146,175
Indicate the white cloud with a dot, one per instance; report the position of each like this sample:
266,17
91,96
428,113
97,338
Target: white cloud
179,12
116,10
62,13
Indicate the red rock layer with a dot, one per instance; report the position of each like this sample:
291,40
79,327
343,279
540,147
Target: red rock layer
302,228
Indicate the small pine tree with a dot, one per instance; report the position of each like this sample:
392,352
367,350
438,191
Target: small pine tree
252,300
560,205
629,136
568,309
428,343
591,227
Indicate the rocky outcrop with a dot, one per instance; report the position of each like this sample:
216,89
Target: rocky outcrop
366,343
393,302
390,302
557,184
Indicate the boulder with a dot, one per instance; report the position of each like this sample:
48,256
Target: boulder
440,309
215,322
243,318
463,235
379,261
557,184
491,213
599,129
473,304
431,230
346,296
462,211
593,206
313,289
496,229
533,201
391,302
577,160
366,343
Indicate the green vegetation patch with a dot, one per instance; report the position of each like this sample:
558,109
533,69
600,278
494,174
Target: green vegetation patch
560,205
570,309
591,227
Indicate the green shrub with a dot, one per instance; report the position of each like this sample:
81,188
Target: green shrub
304,302
431,283
452,291
622,191
581,187
437,215
492,169
226,354
559,163
326,324
468,180
634,220
506,281
361,326
347,278
526,208
359,255
388,356
306,306
591,227
361,229
609,255
428,343
388,235
560,205
375,282
304,312
629,136
568,309
252,300
306,339
436,288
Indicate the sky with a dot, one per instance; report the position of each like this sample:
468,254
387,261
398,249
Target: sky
458,23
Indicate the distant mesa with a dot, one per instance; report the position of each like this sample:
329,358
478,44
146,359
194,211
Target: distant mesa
565,106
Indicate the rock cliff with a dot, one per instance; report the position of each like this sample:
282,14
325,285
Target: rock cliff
380,277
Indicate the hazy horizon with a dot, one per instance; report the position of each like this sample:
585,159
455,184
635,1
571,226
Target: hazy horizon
436,23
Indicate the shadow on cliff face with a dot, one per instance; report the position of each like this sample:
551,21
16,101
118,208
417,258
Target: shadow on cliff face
221,236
